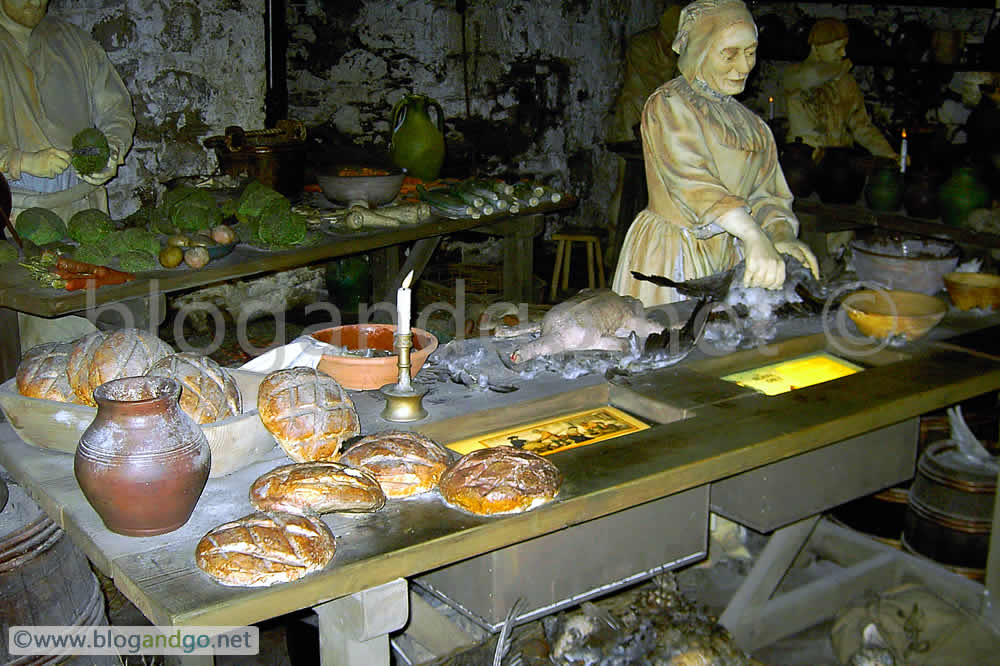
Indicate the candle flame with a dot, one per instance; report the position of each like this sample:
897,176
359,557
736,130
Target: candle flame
407,280
904,134
770,99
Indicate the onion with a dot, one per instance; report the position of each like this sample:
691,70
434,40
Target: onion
196,257
223,234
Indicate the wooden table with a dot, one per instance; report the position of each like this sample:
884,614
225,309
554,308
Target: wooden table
20,293
710,430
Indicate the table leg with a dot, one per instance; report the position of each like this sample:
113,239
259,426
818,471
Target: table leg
992,606
354,630
10,344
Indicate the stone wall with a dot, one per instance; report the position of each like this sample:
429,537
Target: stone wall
541,79
193,67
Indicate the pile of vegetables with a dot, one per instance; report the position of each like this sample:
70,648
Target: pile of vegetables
58,272
266,218
473,198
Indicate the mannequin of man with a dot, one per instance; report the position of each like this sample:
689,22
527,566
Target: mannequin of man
54,82
825,105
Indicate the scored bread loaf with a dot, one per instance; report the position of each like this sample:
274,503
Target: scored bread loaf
208,392
308,412
128,352
405,463
262,549
321,487
42,372
501,479
78,366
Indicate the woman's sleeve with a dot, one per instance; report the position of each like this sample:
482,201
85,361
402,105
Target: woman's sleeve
112,103
771,201
684,166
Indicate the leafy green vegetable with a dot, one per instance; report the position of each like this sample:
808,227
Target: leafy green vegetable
40,226
90,151
92,253
196,212
254,199
90,225
8,252
132,238
137,261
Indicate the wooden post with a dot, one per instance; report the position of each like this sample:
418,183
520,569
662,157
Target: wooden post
354,630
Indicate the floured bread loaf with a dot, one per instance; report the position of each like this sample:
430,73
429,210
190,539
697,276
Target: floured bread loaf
208,392
500,480
308,412
405,463
78,366
262,549
42,372
126,353
321,487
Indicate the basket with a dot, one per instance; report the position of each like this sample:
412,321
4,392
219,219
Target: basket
483,282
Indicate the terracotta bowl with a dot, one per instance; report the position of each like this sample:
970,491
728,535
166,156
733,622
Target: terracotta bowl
891,313
375,190
973,290
358,373
913,264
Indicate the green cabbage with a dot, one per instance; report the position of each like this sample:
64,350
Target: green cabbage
90,225
92,253
40,226
196,212
90,151
132,238
137,261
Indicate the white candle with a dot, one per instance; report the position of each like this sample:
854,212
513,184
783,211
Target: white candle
770,108
902,154
403,305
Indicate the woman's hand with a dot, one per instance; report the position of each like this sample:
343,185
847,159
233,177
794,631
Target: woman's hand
799,250
45,163
764,266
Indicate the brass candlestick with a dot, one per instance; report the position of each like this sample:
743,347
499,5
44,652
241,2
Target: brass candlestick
403,400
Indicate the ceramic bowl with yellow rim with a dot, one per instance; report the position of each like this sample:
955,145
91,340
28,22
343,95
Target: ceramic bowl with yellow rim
894,313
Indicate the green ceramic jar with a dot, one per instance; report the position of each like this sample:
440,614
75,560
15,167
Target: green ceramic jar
417,142
962,193
884,189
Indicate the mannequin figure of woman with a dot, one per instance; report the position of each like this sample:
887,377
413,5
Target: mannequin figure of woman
716,191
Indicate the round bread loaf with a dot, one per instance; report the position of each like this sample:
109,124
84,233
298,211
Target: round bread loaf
128,352
208,392
405,463
501,479
308,412
78,366
42,372
320,487
262,549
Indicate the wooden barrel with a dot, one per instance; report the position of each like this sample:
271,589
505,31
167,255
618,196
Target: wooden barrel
949,514
44,578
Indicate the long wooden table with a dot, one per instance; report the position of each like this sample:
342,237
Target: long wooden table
20,293
709,430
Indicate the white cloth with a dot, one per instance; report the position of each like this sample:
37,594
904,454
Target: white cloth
302,352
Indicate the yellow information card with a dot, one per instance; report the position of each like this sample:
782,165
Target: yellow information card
796,373
557,433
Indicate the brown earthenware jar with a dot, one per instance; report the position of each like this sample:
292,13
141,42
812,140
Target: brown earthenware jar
142,463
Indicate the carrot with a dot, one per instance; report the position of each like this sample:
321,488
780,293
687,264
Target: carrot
69,275
107,274
78,283
74,266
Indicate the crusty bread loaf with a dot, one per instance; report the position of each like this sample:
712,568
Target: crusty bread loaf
405,463
308,412
208,392
320,487
42,372
128,352
501,479
265,548
78,366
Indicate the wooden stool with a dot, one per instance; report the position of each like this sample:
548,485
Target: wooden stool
563,251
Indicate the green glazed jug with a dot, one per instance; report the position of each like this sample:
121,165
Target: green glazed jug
884,190
962,193
417,143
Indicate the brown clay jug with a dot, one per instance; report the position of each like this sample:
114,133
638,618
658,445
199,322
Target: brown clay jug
142,463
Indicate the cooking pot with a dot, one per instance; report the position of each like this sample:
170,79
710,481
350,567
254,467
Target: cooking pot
275,156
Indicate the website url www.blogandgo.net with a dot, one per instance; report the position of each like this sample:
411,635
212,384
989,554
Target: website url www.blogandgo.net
99,640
